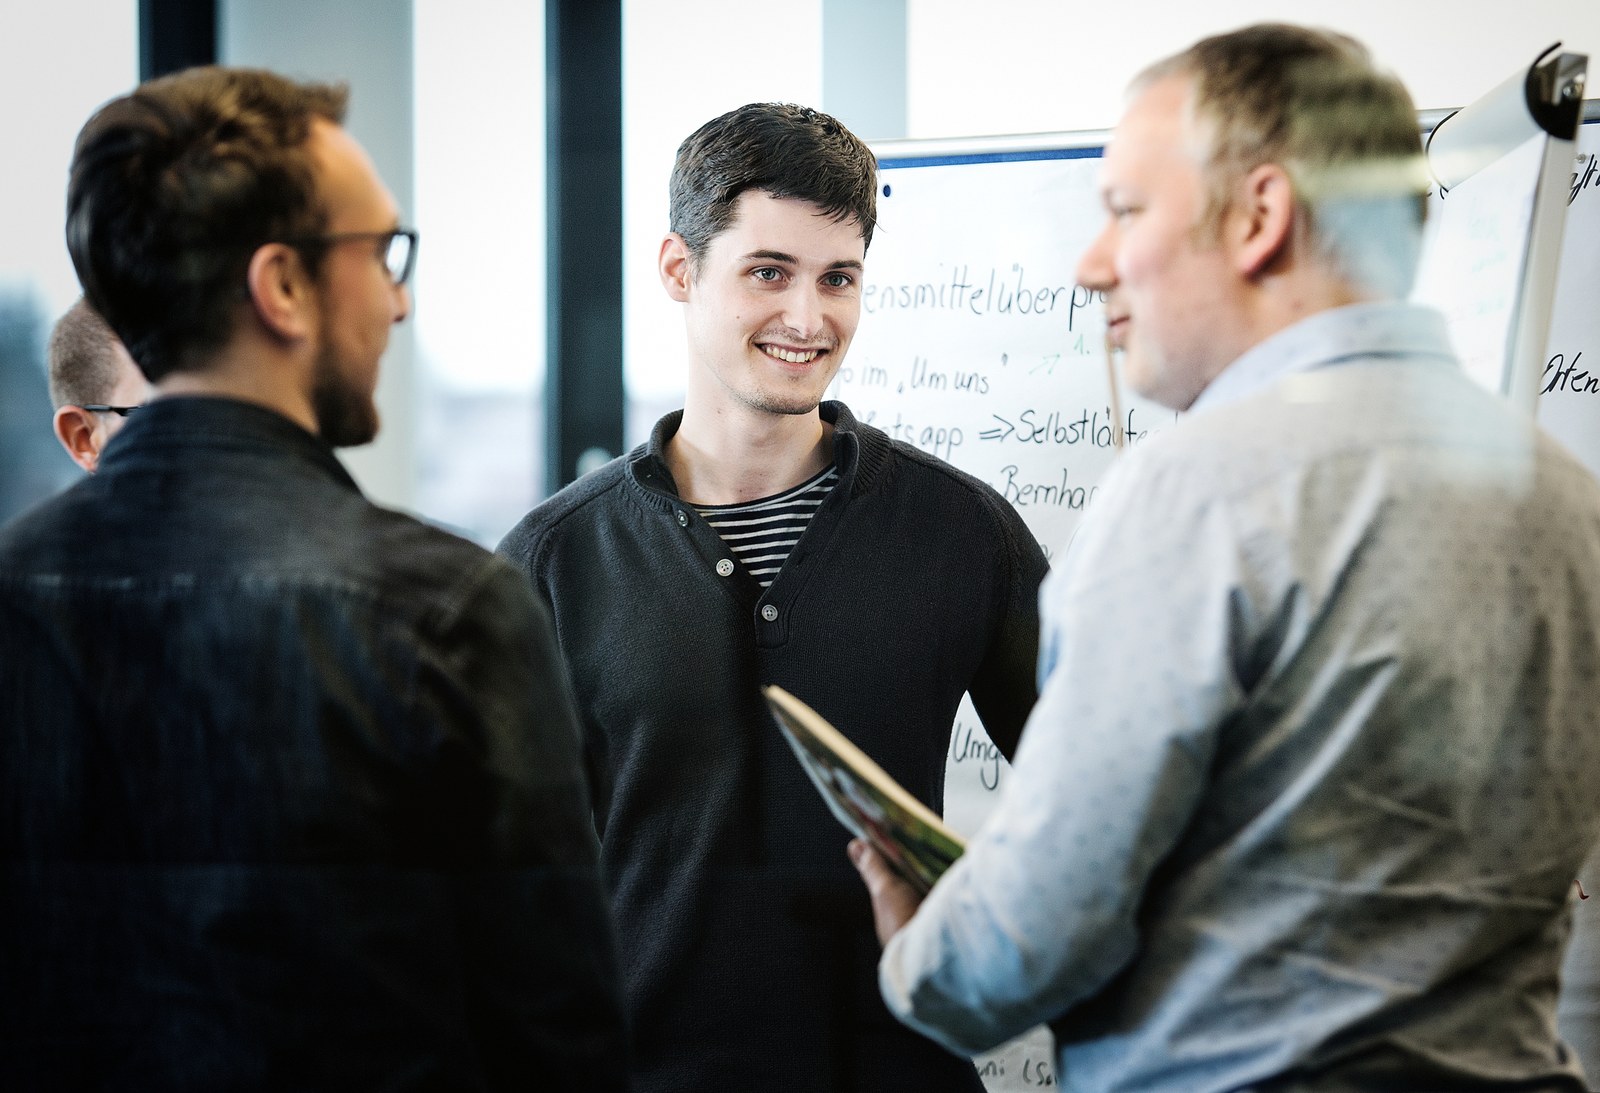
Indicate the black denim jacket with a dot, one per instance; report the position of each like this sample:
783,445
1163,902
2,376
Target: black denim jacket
289,788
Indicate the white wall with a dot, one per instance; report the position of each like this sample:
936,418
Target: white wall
54,72
480,184
1028,66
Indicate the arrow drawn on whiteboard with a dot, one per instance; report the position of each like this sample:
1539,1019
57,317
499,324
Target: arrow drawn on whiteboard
1048,364
998,434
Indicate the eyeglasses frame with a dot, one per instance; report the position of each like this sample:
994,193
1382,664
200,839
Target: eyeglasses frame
391,235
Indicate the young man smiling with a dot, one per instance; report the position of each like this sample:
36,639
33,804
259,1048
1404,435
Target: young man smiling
765,536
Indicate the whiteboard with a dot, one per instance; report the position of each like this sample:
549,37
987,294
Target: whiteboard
1475,257
1569,390
975,345
1496,221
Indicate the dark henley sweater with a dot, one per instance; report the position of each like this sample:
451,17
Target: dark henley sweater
747,948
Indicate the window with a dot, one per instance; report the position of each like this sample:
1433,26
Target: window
480,281
59,62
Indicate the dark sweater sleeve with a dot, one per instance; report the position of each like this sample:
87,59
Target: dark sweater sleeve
1006,686
526,547
542,988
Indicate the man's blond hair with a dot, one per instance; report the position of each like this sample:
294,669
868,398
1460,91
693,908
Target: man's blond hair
1314,103
84,368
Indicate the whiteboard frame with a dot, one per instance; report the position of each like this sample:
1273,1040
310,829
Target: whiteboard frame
914,152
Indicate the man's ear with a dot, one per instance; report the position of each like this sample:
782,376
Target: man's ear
281,291
76,429
674,265
1262,219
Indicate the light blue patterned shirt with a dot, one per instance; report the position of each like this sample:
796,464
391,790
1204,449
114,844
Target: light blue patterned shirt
1317,753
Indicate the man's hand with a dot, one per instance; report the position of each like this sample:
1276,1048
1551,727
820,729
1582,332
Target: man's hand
893,900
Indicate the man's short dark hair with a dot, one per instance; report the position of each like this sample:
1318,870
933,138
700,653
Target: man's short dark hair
83,362
174,186
780,149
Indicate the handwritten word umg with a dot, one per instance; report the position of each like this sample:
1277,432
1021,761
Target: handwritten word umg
969,744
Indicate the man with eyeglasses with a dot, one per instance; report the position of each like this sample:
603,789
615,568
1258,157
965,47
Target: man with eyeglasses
290,795
94,384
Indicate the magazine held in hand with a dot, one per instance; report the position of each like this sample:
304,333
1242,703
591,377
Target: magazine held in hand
906,832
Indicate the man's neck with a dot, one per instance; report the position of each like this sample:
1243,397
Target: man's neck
729,460
239,373
1304,289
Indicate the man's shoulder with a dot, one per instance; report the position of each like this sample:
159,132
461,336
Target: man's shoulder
53,526
356,561
594,498
924,477
394,536
398,556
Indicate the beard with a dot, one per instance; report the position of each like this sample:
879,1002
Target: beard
346,417
790,399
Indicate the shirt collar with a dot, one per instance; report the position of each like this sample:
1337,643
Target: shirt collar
859,451
192,425
1356,331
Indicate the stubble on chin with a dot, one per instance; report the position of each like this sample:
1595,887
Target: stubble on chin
792,407
798,401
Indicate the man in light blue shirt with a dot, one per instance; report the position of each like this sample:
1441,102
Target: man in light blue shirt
1317,753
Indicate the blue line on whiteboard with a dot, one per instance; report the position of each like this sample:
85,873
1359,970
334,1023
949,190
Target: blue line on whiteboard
989,157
